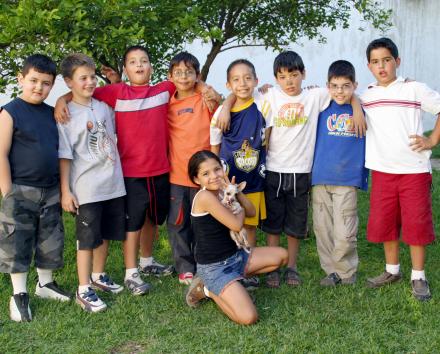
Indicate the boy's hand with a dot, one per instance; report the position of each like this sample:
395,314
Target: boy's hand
263,89
6,190
360,125
62,114
419,143
224,117
110,74
69,203
211,98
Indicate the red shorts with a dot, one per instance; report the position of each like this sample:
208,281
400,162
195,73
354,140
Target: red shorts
401,201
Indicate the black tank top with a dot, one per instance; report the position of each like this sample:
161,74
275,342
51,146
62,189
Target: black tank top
212,240
34,150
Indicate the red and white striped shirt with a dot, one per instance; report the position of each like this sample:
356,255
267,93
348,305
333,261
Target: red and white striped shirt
393,114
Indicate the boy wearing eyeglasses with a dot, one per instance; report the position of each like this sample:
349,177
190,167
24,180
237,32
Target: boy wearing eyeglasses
338,171
189,122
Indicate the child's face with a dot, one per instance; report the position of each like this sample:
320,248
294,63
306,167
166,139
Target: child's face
82,83
290,81
36,86
137,67
210,175
383,66
242,82
341,89
183,77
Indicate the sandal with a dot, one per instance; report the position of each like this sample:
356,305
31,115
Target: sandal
273,279
292,277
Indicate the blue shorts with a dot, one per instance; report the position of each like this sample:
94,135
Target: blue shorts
217,276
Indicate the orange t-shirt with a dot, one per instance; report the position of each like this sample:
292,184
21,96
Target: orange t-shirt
189,124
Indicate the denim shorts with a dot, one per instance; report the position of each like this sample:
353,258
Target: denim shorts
217,276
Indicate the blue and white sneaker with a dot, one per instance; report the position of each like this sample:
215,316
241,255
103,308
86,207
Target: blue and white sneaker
105,283
89,301
136,285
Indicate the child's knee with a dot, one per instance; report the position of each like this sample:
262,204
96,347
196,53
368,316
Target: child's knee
248,317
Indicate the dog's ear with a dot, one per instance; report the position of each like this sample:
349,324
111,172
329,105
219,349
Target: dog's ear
241,186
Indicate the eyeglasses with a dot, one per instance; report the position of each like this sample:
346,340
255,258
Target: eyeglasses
345,87
180,73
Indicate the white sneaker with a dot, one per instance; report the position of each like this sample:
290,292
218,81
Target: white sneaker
19,308
90,302
52,291
105,283
136,285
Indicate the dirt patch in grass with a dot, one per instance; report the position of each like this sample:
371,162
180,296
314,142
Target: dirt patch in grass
129,348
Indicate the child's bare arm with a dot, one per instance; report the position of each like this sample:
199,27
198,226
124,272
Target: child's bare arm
215,149
248,207
6,132
419,143
208,202
267,137
62,114
224,117
360,126
110,74
68,200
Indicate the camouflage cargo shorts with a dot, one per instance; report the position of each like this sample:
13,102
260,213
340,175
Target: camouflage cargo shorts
30,221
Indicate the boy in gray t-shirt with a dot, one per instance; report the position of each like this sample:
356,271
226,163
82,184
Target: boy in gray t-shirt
92,185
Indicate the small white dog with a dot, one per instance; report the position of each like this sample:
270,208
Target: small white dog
228,197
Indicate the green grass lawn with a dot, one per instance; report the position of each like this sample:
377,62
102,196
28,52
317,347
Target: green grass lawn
305,319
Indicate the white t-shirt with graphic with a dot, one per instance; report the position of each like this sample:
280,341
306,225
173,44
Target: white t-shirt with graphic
89,140
294,121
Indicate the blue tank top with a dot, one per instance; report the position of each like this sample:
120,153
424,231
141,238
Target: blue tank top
242,152
34,150
339,155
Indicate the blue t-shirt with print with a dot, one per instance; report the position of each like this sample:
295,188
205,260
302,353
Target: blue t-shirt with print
242,151
339,155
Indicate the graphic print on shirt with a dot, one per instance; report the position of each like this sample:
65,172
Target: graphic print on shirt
101,147
341,125
290,115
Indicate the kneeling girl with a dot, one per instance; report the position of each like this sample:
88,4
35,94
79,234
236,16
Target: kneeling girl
219,264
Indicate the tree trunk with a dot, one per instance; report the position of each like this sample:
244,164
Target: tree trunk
215,49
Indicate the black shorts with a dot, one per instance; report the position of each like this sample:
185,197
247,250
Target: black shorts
146,196
287,203
100,221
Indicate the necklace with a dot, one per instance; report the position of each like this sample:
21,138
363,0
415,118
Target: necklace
85,105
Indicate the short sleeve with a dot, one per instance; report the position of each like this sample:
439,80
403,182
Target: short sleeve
324,97
168,86
108,94
214,132
429,98
65,150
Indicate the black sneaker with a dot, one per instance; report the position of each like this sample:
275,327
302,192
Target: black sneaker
251,283
420,289
19,308
332,279
52,291
157,269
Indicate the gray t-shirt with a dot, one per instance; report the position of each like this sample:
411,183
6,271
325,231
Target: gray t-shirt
89,140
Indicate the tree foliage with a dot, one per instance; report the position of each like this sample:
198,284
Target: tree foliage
104,28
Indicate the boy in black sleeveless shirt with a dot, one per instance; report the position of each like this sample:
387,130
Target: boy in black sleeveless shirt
30,213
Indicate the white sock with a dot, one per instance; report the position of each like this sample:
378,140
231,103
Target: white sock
44,276
19,282
418,274
145,261
392,268
83,288
95,276
129,272
206,291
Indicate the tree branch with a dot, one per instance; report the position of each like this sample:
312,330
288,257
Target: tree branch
242,45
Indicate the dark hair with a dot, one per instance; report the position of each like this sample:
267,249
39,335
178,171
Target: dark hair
288,60
383,43
189,60
238,62
341,68
73,62
41,63
132,49
195,161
